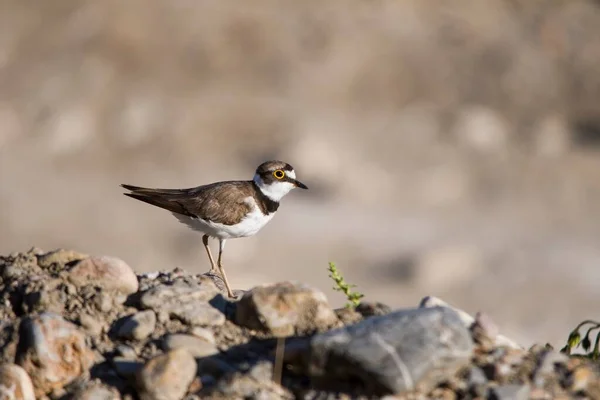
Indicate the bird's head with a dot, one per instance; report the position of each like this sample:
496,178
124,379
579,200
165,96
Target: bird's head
276,179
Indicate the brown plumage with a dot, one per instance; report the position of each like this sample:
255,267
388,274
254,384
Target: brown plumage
221,202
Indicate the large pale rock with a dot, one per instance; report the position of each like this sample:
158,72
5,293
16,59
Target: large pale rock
106,272
285,309
167,376
52,351
394,353
15,384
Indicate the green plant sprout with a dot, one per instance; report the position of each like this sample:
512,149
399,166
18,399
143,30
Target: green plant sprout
342,286
575,340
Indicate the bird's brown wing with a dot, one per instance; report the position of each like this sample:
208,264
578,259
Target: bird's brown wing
222,202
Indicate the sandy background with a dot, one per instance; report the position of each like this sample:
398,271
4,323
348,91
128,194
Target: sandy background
452,148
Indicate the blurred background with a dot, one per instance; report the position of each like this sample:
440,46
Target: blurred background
451,148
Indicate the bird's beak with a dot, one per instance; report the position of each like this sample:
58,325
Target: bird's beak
299,184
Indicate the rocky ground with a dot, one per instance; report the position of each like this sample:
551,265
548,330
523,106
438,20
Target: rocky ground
83,327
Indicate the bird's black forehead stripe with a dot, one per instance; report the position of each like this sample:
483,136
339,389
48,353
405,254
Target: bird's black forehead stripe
288,167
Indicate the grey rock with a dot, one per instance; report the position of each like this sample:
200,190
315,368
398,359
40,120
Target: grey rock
510,392
138,326
15,383
189,302
394,353
196,346
167,376
285,309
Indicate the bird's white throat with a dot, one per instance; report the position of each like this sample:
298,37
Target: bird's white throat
274,191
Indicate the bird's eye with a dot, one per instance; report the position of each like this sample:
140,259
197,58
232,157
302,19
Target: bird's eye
279,174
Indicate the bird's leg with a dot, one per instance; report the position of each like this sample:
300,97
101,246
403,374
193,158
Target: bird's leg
221,247
213,267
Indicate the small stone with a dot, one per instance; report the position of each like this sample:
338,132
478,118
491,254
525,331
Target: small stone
15,383
367,309
203,333
394,353
167,376
103,302
510,392
285,309
98,392
477,377
138,326
106,272
188,302
91,324
347,315
126,351
52,351
197,347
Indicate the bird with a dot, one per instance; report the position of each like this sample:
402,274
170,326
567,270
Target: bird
226,209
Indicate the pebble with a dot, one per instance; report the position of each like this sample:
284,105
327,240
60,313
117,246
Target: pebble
103,301
285,309
106,272
15,383
126,351
138,326
91,324
188,302
196,346
394,353
510,392
98,392
369,309
53,351
203,333
167,376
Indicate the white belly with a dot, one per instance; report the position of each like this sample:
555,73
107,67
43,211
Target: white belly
248,226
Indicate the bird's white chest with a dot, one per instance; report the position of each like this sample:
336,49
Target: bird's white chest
248,226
